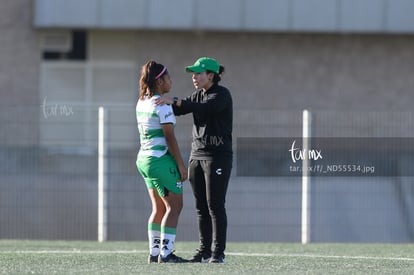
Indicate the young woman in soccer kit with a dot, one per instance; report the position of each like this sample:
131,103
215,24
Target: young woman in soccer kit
211,156
159,162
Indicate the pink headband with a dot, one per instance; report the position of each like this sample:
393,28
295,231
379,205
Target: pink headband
161,73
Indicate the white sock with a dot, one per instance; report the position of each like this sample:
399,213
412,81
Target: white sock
154,237
167,244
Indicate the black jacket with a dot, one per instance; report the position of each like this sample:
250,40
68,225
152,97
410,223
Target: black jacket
213,122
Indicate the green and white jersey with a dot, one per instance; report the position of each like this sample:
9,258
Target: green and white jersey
150,117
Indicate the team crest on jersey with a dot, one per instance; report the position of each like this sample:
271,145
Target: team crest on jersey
179,184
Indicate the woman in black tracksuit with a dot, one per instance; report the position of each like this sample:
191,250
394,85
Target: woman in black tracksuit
211,156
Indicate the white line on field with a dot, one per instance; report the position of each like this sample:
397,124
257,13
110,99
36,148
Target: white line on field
242,254
74,251
320,256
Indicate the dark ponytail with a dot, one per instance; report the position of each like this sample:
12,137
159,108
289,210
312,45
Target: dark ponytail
150,72
217,76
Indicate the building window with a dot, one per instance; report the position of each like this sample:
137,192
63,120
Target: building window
77,51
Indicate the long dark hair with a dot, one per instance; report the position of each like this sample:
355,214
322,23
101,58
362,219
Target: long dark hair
217,76
150,72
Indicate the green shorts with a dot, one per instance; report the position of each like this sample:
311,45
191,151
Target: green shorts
160,173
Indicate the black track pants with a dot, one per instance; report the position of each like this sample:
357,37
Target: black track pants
209,180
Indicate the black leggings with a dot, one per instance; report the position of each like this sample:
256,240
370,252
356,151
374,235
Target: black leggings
209,180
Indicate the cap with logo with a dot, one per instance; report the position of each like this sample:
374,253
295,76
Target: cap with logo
204,64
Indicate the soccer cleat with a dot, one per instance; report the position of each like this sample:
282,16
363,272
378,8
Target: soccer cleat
201,257
217,259
152,259
171,258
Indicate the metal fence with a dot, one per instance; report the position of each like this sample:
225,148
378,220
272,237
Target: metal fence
49,178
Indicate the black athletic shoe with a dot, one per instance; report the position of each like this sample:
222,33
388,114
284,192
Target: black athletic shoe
152,259
172,258
201,257
217,259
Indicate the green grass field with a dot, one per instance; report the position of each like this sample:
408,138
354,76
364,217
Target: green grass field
62,257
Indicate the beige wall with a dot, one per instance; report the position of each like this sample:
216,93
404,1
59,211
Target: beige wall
294,71
283,71
19,74
272,72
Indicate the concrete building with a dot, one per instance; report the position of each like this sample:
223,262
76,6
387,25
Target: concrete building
349,62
